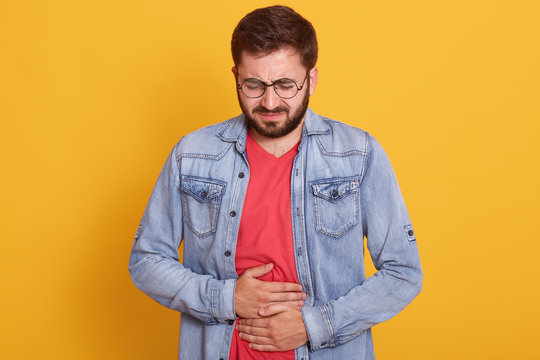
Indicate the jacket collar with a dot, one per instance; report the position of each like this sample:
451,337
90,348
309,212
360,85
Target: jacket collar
314,124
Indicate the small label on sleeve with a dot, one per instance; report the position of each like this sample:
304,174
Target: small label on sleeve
409,232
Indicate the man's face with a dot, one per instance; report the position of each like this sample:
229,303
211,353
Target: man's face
270,115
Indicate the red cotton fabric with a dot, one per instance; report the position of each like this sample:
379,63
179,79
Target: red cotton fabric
265,233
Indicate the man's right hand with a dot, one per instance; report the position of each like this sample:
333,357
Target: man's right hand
251,294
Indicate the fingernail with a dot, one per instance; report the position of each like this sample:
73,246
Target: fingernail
261,311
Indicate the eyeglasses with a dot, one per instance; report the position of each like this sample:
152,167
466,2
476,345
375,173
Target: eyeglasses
284,88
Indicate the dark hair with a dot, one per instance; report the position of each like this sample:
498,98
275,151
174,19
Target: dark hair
269,29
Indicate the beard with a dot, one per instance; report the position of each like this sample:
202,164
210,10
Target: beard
271,129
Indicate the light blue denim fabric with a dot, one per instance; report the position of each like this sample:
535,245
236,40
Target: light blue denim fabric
342,189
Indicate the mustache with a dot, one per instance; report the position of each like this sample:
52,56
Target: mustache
262,109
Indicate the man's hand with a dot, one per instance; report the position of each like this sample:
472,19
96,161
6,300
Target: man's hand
281,329
251,295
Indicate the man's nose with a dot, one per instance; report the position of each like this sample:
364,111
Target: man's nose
270,99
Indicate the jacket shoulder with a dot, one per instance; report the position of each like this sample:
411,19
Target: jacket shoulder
205,142
343,139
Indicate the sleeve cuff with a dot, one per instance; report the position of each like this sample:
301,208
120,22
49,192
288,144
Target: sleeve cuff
223,300
318,327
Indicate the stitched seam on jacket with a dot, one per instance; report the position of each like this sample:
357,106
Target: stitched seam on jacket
205,156
338,154
214,301
364,160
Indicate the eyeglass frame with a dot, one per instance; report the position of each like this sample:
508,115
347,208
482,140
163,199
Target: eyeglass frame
298,88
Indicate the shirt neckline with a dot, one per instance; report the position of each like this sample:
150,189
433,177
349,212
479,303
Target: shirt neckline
291,153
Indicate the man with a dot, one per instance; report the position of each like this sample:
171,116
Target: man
273,206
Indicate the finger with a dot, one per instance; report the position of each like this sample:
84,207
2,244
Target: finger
250,330
272,309
259,340
258,271
278,286
262,323
277,308
299,304
286,296
263,347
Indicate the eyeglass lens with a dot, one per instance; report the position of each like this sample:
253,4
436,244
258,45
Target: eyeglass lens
285,88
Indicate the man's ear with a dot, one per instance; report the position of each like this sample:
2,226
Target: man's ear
234,71
313,77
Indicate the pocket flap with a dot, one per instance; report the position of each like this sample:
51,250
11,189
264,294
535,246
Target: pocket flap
202,189
335,189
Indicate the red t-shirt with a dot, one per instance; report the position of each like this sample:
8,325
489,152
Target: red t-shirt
265,233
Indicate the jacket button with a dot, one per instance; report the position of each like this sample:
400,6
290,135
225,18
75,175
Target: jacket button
232,213
411,233
204,194
227,253
335,193
231,322
241,175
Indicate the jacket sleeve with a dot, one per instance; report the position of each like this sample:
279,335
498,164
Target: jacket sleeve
154,262
392,244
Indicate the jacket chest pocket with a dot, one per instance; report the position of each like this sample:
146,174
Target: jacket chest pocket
201,200
335,205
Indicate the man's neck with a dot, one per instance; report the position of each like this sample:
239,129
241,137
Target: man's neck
281,145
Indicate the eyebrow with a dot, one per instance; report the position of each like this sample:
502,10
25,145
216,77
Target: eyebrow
283,78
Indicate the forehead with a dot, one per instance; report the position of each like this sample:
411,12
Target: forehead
278,64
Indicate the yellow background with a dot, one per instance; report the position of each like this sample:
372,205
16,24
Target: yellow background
94,94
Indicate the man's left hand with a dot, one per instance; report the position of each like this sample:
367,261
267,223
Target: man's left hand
281,329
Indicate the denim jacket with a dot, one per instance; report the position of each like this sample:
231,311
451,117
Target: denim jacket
342,189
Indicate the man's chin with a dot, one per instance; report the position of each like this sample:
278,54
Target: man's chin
270,130
273,130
